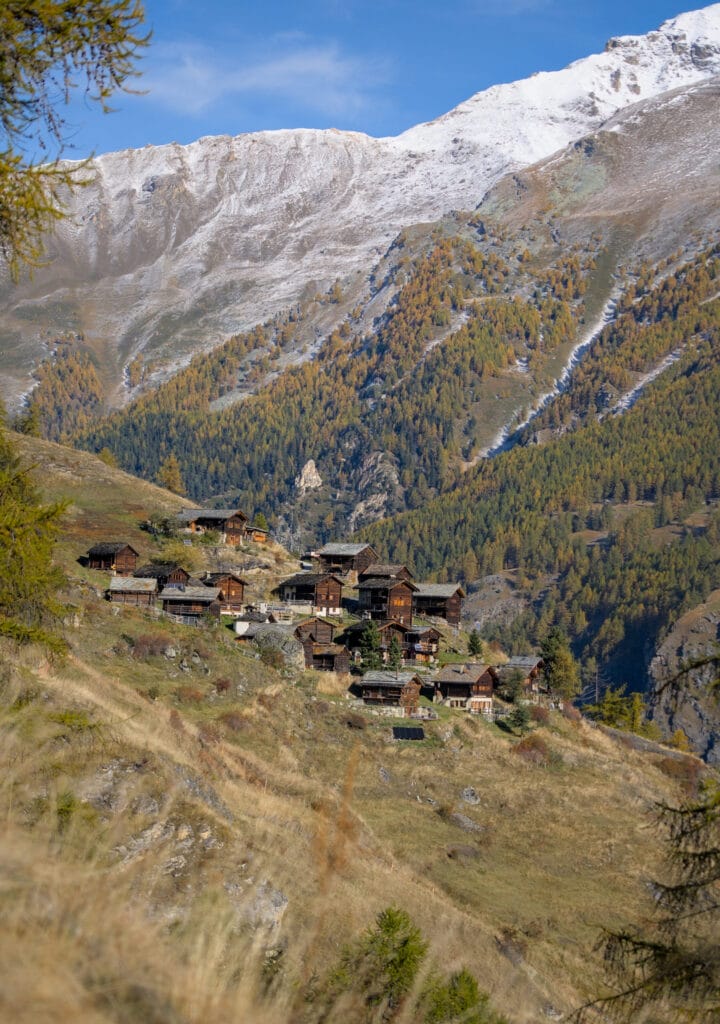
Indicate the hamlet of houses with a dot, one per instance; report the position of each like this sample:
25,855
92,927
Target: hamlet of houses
348,610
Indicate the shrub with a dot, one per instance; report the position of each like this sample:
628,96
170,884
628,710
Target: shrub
189,695
149,644
685,771
539,714
222,685
355,721
571,712
234,721
533,749
272,657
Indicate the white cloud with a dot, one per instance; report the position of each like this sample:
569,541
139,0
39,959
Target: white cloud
193,78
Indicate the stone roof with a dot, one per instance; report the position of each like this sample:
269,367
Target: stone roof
386,583
189,515
205,594
213,577
307,579
157,570
529,661
110,548
438,589
342,549
130,584
389,678
385,569
461,673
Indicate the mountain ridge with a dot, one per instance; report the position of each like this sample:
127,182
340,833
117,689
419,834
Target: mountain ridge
172,249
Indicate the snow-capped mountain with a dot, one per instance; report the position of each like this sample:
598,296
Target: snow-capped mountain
173,248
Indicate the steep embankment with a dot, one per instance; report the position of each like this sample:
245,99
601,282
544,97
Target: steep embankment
176,812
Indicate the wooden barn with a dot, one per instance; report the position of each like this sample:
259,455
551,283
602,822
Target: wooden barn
230,523
321,591
190,604
396,689
457,685
115,556
387,598
256,534
167,574
439,600
346,558
321,631
132,591
326,657
231,587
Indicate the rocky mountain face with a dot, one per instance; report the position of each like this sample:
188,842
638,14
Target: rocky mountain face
171,249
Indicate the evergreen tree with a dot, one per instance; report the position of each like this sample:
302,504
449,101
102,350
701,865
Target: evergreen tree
29,582
519,717
48,48
370,656
561,670
394,654
668,969
475,644
169,475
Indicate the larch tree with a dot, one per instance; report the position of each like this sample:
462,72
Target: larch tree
49,49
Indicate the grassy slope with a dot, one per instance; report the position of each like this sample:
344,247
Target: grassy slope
183,823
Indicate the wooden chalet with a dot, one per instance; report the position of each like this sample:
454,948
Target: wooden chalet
467,686
439,600
352,636
529,669
230,523
396,689
190,604
321,631
387,598
346,558
114,556
132,591
385,570
326,657
167,574
422,645
321,591
231,587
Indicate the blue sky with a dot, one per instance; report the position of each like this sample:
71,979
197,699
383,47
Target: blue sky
217,67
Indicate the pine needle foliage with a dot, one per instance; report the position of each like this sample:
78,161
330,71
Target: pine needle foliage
47,49
668,970
29,582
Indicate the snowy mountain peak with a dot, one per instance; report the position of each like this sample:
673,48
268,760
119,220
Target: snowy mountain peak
174,248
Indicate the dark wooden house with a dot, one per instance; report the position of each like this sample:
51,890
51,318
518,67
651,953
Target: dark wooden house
422,645
322,591
460,685
352,636
190,604
528,670
386,598
132,591
321,631
114,556
230,523
346,558
326,657
385,570
396,689
439,600
231,587
167,574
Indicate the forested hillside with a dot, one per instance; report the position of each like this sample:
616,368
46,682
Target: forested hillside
613,525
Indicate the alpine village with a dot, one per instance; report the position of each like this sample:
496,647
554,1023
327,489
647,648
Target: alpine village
359,513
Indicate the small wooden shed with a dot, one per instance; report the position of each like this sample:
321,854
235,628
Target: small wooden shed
190,604
113,556
132,591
